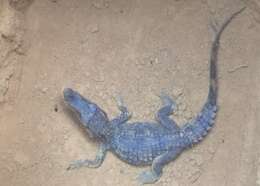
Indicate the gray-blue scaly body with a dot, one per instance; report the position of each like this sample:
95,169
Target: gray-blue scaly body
144,143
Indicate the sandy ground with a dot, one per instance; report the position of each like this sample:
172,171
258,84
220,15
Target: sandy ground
136,49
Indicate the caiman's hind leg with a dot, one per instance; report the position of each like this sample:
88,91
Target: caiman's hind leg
100,156
163,115
155,173
124,116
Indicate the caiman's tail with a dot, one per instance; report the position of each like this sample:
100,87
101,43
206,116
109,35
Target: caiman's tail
196,129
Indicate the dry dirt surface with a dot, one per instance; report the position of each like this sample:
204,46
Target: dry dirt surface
136,49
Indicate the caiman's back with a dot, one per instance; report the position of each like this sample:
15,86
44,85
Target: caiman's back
139,143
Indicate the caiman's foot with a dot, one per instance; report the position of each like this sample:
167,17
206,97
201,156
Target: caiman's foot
122,107
75,165
167,109
148,177
119,101
167,101
83,163
91,163
124,115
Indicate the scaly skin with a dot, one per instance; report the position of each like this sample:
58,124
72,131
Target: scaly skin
144,143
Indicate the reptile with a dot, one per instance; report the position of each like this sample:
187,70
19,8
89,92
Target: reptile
147,143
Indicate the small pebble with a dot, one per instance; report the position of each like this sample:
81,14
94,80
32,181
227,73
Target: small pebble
44,90
56,108
94,28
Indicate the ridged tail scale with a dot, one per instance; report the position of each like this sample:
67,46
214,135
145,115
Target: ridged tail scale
203,122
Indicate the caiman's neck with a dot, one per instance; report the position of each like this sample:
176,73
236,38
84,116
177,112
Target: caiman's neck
105,133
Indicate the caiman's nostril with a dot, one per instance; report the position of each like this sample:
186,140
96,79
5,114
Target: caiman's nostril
68,93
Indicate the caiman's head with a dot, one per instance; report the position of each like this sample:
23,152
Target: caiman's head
93,118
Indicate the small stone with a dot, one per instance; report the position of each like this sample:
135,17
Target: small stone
22,122
122,171
44,90
94,28
20,49
154,60
56,108
43,76
177,92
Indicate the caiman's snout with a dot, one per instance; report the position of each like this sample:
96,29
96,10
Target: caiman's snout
69,94
90,115
78,102
74,99
83,107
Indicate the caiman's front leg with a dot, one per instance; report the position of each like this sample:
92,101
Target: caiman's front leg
159,162
163,115
100,156
124,116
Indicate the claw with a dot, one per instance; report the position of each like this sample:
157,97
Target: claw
121,105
